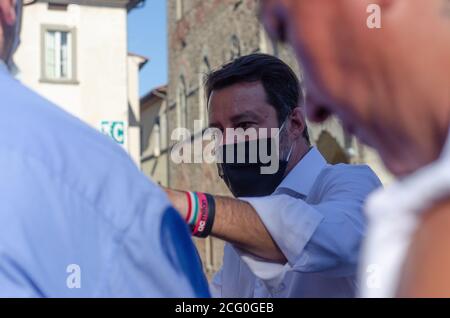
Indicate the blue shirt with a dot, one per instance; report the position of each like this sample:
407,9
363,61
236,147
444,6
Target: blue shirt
77,218
316,218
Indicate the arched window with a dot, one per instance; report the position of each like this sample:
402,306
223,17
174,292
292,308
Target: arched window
157,138
235,47
275,48
205,68
181,104
268,45
179,9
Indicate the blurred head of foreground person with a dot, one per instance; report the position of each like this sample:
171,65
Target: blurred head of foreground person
390,86
10,19
77,218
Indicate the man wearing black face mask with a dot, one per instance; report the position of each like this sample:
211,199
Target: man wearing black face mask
252,168
295,231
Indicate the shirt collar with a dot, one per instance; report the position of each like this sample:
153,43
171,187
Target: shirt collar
304,175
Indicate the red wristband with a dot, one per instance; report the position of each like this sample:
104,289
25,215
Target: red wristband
203,214
189,212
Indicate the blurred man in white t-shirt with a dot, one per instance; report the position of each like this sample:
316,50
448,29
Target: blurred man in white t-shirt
382,66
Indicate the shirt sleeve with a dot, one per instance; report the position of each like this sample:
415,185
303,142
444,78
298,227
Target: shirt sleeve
179,249
323,237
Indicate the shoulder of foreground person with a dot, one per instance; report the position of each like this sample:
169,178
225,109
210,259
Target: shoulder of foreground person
39,128
71,153
73,196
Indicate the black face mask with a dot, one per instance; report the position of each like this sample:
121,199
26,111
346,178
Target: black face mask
244,178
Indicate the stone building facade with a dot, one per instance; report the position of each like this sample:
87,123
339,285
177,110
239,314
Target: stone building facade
203,35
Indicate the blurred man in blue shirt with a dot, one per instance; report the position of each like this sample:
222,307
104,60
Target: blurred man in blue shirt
77,218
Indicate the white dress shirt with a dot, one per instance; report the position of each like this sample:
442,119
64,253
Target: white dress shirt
394,215
315,217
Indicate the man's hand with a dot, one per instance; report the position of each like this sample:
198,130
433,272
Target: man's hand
236,222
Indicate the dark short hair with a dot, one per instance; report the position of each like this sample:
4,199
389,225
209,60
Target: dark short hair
280,83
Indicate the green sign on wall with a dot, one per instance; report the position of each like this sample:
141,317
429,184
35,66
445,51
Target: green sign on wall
114,129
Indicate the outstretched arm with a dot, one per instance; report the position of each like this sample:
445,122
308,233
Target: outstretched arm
238,223
322,237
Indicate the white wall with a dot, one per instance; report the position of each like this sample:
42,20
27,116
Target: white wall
101,61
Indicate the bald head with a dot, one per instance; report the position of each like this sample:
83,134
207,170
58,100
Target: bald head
8,24
376,64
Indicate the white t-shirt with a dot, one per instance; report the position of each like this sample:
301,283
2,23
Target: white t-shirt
393,214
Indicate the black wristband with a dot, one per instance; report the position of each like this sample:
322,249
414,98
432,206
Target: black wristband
211,216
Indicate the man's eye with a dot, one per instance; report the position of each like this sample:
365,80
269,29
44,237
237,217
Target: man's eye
245,125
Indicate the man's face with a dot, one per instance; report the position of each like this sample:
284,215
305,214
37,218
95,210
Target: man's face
336,50
241,106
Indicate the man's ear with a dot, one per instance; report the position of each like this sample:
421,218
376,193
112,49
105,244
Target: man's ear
8,12
297,123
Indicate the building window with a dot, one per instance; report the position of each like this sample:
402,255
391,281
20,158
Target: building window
58,6
179,9
264,41
181,104
163,129
205,68
275,48
157,139
58,54
235,47
58,60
